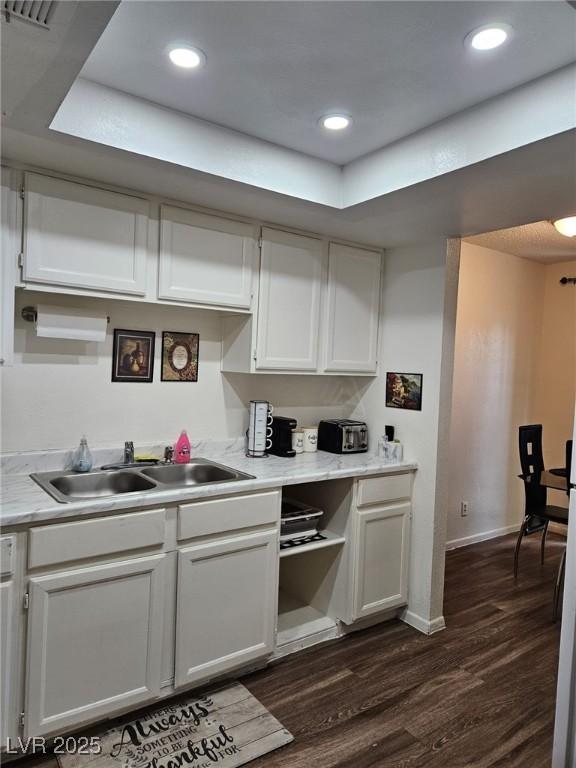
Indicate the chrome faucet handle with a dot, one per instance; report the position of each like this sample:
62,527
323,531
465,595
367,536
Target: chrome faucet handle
128,452
168,454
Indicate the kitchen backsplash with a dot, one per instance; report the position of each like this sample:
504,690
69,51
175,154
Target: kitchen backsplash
58,390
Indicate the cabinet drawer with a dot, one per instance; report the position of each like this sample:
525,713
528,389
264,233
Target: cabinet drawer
377,490
204,518
52,544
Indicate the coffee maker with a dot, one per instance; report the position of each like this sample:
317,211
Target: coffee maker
282,428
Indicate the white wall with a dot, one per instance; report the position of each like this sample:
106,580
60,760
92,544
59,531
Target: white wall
515,325
555,375
412,341
58,390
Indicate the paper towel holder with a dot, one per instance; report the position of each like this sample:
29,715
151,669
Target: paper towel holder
31,315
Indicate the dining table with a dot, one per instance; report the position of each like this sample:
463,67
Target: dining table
555,478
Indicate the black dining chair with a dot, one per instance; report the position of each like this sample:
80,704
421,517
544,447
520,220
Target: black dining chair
538,513
562,567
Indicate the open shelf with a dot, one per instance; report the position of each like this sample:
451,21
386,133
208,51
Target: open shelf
331,540
314,593
297,620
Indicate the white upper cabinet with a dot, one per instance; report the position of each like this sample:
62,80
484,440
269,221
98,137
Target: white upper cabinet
291,276
353,301
205,259
83,237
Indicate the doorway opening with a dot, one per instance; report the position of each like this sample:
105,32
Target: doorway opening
514,389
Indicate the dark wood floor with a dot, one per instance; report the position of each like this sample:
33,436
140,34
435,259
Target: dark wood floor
478,695
481,693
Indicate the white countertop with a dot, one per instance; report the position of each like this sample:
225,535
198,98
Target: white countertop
24,502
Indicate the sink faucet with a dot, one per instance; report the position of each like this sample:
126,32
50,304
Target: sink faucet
128,452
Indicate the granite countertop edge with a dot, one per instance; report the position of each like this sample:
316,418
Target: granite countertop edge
25,503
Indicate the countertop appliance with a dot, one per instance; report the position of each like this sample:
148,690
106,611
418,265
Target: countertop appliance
343,436
282,428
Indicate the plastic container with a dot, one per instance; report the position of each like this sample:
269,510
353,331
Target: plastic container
82,459
182,449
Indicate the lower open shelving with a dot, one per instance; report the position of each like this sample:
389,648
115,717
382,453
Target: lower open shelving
297,620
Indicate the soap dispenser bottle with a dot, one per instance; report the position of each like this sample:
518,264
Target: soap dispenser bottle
82,461
182,449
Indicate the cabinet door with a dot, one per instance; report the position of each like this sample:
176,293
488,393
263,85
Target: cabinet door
353,309
94,642
84,237
10,247
291,275
205,259
380,559
226,605
10,652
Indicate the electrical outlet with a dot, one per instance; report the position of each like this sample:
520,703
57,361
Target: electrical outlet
463,509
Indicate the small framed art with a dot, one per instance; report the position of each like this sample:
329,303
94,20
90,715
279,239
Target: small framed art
180,356
404,390
133,355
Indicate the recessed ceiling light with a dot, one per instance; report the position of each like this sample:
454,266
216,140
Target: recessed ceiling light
335,122
488,37
186,57
567,226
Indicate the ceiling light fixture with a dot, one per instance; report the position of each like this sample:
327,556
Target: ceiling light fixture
567,226
186,57
488,37
335,122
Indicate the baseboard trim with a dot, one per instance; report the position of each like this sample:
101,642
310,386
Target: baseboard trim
422,624
484,536
557,528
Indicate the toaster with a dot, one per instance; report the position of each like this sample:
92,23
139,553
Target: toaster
343,436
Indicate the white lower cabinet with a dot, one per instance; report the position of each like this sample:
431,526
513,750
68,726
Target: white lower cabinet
226,608
10,638
94,642
381,546
166,599
7,612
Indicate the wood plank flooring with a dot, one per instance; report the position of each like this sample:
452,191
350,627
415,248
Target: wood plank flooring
478,695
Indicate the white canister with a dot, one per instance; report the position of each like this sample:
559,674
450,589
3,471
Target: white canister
298,440
310,439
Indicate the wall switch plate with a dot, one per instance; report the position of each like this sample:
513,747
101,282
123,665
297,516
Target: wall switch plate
463,509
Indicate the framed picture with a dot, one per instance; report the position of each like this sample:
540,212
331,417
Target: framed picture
404,390
180,356
133,355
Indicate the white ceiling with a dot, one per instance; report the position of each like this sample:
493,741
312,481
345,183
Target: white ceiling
538,241
445,181
273,68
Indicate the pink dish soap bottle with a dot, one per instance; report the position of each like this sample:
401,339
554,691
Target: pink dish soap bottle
182,449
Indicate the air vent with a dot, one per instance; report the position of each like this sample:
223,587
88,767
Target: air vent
34,11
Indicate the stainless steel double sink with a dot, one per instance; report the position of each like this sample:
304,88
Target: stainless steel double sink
71,486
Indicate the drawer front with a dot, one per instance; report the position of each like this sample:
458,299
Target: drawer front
205,518
383,489
7,547
54,544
